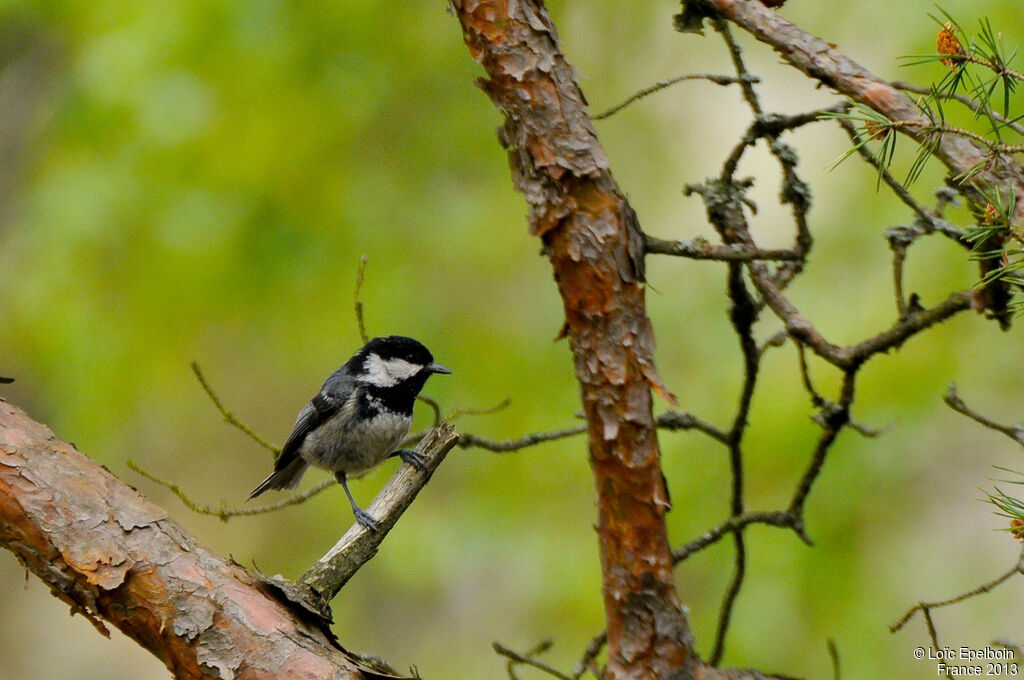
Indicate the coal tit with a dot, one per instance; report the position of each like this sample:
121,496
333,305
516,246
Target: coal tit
359,417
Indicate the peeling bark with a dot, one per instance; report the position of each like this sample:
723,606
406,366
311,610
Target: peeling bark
591,237
113,556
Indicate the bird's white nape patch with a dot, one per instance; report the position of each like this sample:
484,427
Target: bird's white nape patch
387,372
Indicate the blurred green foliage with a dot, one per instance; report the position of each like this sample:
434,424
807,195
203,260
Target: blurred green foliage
197,181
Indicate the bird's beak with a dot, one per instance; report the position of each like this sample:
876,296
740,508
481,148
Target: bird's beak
438,368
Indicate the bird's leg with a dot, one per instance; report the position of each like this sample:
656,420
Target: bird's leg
413,458
361,515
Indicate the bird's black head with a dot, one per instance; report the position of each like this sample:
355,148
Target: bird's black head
395,361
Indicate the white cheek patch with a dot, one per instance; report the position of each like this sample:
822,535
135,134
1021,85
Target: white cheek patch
388,372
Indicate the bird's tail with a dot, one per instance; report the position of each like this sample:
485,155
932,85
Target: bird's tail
286,478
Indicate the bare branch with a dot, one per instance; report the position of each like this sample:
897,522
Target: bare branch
467,440
676,420
821,61
736,53
230,417
835,418
778,518
915,322
360,275
588,660
1014,432
852,356
701,249
434,406
460,411
771,126
833,653
926,607
743,313
662,84
223,512
529,660
897,187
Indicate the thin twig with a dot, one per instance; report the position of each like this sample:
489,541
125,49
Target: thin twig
826,406
930,625
778,518
833,422
900,239
222,512
930,127
701,249
794,190
228,416
467,440
915,322
360,274
588,660
771,126
432,403
805,376
749,93
662,84
1014,432
527,659
935,223
460,411
743,313
998,69
854,355
677,420
833,654
729,598
973,104
926,607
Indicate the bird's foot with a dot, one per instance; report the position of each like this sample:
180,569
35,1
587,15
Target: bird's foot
413,458
364,519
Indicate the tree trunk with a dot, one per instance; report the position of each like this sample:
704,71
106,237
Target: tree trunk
595,248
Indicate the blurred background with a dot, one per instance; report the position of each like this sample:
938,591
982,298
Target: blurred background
198,180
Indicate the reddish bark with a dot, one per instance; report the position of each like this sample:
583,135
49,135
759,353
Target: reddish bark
113,555
593,243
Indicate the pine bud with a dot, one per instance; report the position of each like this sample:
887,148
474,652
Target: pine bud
991,216
1017,528
946,43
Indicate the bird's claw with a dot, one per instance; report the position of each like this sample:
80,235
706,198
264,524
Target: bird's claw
413,458
366,520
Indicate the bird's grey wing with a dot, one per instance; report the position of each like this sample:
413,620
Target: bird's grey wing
289,466
338,387
313,414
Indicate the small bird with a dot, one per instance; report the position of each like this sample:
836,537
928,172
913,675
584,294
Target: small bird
359,417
